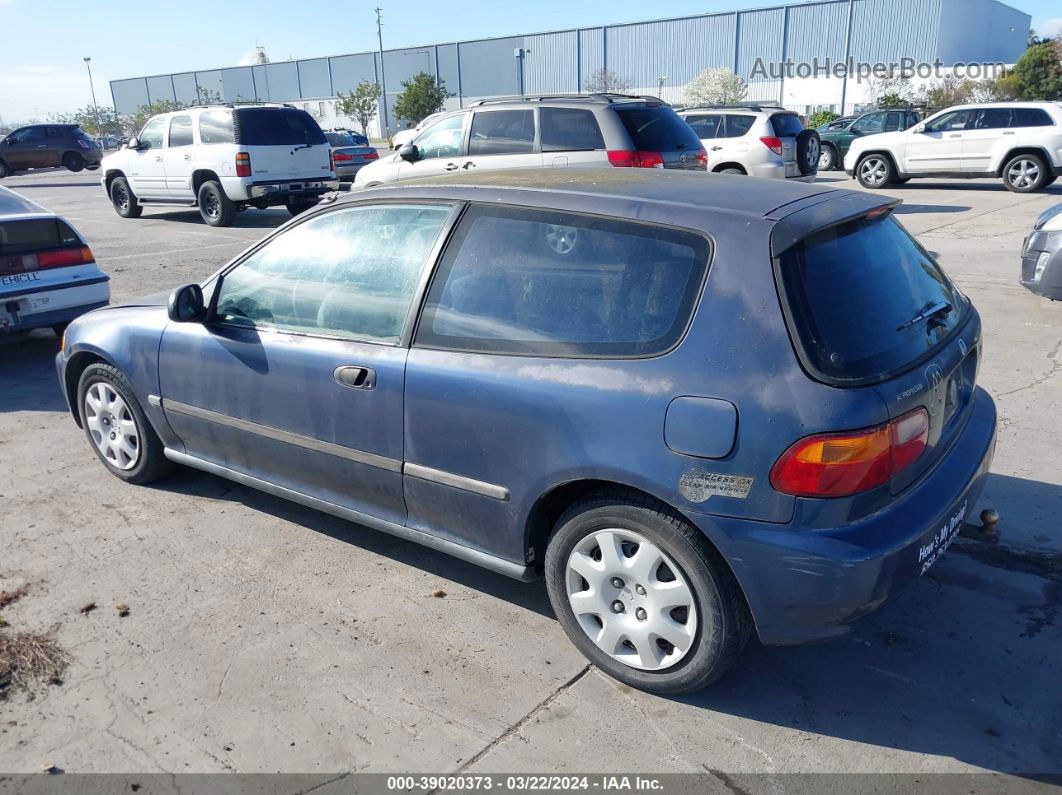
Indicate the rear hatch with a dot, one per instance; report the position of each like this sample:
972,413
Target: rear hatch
658,129
283,144
870,307
786,127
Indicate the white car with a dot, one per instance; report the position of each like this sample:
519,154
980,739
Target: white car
403,137
222,159
1020,142
48,276
757,140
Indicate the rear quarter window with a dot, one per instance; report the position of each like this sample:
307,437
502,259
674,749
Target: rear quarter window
1031,117
658,129
786,125
545,283
276,127
215,127
569,130
853,291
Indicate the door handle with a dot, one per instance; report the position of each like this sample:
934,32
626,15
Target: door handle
955,135
716,148
158,159
355,376
187,157
468,165
42,146
451,166
1008,132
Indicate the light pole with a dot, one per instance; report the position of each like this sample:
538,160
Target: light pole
660,84
95,107
383,78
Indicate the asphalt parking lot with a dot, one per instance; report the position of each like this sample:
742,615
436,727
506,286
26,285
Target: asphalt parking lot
263,636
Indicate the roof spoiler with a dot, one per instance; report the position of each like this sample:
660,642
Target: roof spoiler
796,220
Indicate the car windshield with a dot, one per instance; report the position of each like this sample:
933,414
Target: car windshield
867,299
277,127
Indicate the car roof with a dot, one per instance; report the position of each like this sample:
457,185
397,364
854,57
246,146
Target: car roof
617,192
14,205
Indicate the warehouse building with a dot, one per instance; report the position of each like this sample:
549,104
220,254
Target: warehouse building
794,55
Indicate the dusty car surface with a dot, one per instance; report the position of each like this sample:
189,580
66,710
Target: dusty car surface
701,408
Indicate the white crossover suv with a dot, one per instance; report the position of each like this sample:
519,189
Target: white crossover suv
1020,142
757,140
222,159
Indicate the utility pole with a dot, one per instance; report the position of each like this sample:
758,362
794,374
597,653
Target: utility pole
95,107
383,78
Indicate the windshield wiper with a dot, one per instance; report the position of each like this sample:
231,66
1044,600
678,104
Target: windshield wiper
939,308
301,146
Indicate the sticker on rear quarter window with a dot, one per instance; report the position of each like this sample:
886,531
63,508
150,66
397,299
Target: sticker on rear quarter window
696,485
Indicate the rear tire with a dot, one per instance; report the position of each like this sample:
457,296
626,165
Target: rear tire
710,632
1025,173
1049,181
123,199
72,161
118,432
298,206
874,171
92,167
216,208
737,171
808,148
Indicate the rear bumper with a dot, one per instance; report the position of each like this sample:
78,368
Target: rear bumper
289,188
51,304
805,585
777,171
1043,245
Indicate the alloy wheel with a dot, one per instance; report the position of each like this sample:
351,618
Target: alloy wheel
562,239
112,426
1023,173
121,197
814,153
873,171
824,159
631,599
212,206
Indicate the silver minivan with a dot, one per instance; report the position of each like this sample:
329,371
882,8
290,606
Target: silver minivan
555,131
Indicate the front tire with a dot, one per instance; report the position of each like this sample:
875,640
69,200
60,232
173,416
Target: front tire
643,595
298,206
216,208
72,161
1025,173
875,171
827,158
118,432
124,200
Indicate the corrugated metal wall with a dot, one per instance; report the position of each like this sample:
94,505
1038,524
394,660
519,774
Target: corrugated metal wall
639,53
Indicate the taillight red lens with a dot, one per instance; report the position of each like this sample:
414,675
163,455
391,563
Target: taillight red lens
341,157
773,142
373,155
841,464
702,156
627,158
243,164
62,258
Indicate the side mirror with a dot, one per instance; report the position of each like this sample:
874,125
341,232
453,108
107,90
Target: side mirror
133,143
186,304
409,153
918,128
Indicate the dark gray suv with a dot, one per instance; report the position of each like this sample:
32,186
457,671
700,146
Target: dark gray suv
48,146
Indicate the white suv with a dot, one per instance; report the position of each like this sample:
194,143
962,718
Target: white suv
222,159
758,140
1021,142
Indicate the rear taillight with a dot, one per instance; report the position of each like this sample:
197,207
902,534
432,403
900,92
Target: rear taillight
243,164
62,258
341,157
627,158
371,155
702,156
840,464
773,142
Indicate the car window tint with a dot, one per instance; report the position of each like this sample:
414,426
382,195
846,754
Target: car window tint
705,126
786,124
912,119
871,123
30,135
442,139
347,273
546,283
56,133
853,288
215,127
502,132
276,127
893,121
181,131
991,118
658,129
1031,117
955,120
737,126
151,135
34,234
568,130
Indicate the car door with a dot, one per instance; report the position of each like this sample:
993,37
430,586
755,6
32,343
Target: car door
147,171
59,142
987,127
296,377
868,124
938,147
177,158
709,128
26,148
502,139
438,149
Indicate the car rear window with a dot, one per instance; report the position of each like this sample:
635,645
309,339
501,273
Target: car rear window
658,129
854,291
35,234
545,283
276,127
786,125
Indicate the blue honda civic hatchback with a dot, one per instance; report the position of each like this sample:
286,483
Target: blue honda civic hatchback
700,408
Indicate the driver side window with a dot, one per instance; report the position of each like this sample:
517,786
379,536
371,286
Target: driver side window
151,135
442,139
871,123
348,273
956,120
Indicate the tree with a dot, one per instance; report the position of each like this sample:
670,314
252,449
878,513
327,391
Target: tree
947,91
890,88
892,101
204,96
362,104
421,96
1038,73
605,82
821,117
135,121
716,87
86,117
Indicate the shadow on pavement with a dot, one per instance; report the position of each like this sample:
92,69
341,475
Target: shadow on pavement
248,219
27,372
63,184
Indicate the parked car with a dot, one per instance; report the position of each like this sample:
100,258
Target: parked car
563,131
48,146
348,156
403,137
835,142
222,159
1041,255
1019,142
758,140
563,390
836,124
48,275
354,135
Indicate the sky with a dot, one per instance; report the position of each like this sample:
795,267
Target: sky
43,42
